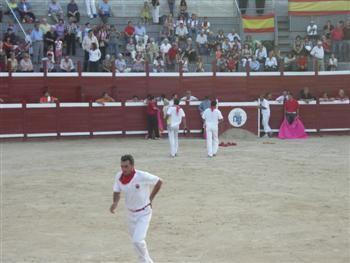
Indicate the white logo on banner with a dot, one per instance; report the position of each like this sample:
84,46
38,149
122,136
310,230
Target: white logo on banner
237,117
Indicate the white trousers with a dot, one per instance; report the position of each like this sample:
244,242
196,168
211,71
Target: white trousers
155,14
265,121
212,140
173,134
138,224
90,7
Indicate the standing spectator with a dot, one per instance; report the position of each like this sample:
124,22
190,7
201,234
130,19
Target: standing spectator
271,62
49,40
328,28
332,63
3,58
152,119
13,62
260,6
26,64
102,37
346,40
311,30
44,26
140,33
73,11
298,45
265,112
94,58
12,5
91,8
38,44
104,11
164,48
193,25
183,8
146,13
327,47
152,50
171,4
113,43
202,43
67,64
190,51
25,12
337,35
131,49
60,29
71,35
55,11
318,53
87,44
165,32
205,25
155,11
172,57
58,49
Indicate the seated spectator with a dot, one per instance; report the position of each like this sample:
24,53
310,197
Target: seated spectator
327,29
342,95
188,97
231,64
165,32
172,57
211,42
107,64
220,37
261,54
271,62
311,30
67,64
218,52
50,66
26,64
289,62
184,64
55,11
221,65
104,11
308,45
47,98
1,100
140,48
155,11
158,64
13,62
254,64
332,63
202,43
73,11
325,97
226,46
129,31
164,48
181,32
139,64
305,95
298,45
183,8
131,49
246,54
25,12
8,46
232,35
205,25
105,98
193,25
120,64
114,41
302,63
141,33
134,98
152,50
146,12
14,6
190,51
199,65
94,58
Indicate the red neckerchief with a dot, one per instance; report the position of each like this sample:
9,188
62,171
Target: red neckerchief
177,109
125,179
212,108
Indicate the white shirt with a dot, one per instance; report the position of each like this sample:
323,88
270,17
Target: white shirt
164,48
95,55
317,52
312,30
175,117
202,39
212,117
137,191
265,103
191,98
270,62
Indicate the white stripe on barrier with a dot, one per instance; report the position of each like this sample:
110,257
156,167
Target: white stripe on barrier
198,74
194,103
107,133
167,74
4,74
11,106
237,104
334,102
231,74
28,74
107,104
141,74
195,131
340,72
335,129
19,135
134,104
312,102
74,104
277,130
35,135
265,74
40,105
135,132
63,74
96,74
292,73
75,133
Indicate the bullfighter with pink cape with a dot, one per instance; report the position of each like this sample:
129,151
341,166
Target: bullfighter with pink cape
292,127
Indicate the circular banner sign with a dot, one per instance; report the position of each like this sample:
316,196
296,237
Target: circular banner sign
237,117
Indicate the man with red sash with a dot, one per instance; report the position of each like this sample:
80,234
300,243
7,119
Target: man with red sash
136,185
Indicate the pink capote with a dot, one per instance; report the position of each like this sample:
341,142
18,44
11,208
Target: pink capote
160,122
296,130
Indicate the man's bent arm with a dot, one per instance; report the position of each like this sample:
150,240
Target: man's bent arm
156,189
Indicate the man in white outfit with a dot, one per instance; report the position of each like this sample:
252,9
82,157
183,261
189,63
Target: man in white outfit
91,8
175,116
212,117
265,112
136,186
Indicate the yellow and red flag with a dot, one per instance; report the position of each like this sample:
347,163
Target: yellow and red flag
318,7
259,24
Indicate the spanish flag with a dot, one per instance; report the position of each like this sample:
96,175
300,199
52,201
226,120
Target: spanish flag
259,24
318,7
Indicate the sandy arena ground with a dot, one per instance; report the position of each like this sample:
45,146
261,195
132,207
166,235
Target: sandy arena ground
274,203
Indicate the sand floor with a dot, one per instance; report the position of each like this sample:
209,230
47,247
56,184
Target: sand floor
254,202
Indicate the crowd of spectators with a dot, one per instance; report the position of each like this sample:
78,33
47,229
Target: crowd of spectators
185,42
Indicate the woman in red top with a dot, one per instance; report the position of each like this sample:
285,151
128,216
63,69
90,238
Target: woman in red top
152,119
